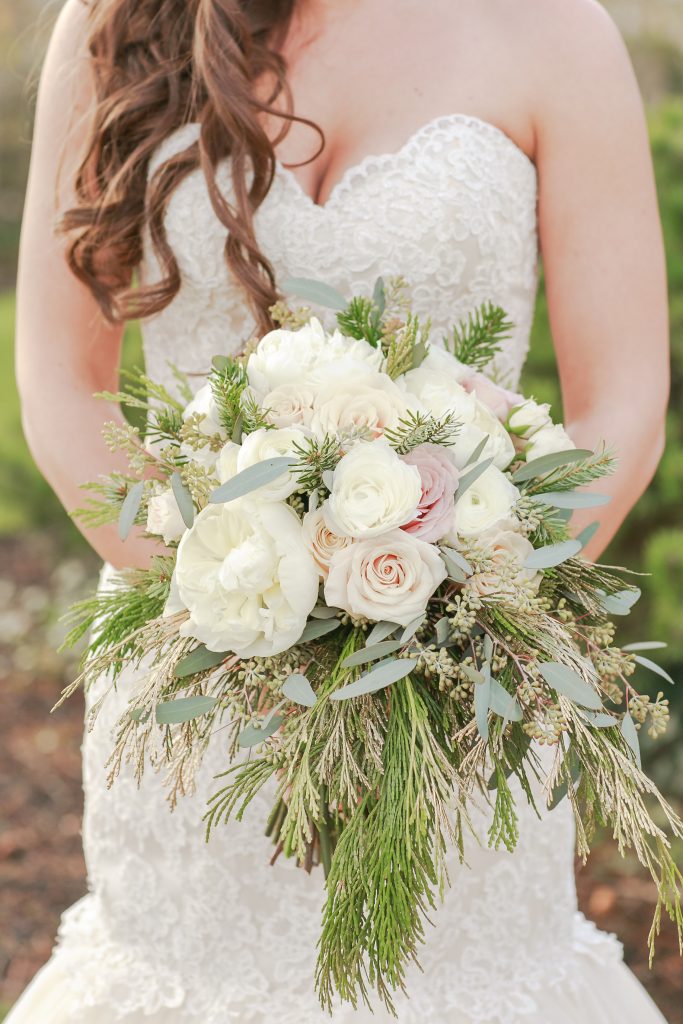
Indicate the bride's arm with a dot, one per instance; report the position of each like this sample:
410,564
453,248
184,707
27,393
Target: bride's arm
65,349
603,253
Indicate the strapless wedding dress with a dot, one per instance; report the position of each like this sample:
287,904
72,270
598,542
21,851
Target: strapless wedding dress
177,931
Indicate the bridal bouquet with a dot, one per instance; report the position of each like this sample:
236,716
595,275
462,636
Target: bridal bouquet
367,578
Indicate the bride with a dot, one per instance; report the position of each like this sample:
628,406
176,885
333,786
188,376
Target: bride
176,148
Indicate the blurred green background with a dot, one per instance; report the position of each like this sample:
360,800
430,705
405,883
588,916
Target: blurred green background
44,563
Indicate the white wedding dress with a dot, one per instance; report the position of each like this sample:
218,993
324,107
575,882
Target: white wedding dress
177,931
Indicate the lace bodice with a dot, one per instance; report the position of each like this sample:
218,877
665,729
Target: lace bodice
210,931
453,211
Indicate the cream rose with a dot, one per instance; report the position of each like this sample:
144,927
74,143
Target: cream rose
289,404
270,444
373,490
548,441
485,502
285,357
357,405
163,516
322,543
528,417
388,577
505,573
247,578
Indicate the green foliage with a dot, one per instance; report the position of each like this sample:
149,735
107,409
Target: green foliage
478,340
416,429
361,319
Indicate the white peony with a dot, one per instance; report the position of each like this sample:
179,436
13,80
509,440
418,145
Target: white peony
285,357
389,577
505,572
528,417
269,444
322,543
373,490
547,441
485,502
247,578
163,516
357,405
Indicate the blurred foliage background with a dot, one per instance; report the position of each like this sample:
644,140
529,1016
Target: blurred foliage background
44,563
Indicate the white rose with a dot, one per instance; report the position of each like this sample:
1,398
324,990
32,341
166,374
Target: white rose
269,444
204,406
289,404
357,405
247,578
547,441
479,423
485,502
284,357
389,577
505,573
322,543
164,518
373,490
529,417
439,393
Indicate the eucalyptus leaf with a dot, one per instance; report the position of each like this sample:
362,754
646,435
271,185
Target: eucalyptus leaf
298,688
471,476
620,603
323,611
130,508
547,463
372,653
473,675
198,660
482,699
411,629
251,478
552,554
654,667
139,715
588,533
183,499
314,291
379,297
380,631
382,675
182,709
569,683
560,792
455,573
630,734
315,628
443,630
488,648
237,429
503,703
220,363
600,719
477,452
645,645
459,560
252,735
573,499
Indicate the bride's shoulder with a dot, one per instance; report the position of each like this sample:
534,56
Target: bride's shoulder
564,33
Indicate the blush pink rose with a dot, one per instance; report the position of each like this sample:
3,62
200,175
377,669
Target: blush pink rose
498,399
439,479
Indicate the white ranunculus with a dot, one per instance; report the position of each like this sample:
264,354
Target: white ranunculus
438,393
388,577
479,423
373,490
285,357
505,573
485,502
163,516
246,577
269,444
527,418
360,404
322,543
204,406
548,441
289,405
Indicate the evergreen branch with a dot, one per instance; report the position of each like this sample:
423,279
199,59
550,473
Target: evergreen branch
418,428
314,459
361,320
228,380
406,347
476,341
574,475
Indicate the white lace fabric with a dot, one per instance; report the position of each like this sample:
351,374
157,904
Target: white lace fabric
177,931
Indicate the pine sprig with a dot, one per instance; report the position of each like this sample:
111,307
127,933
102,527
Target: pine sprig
94,512
574,475
314,459
362,320
417,428
477,340
228,380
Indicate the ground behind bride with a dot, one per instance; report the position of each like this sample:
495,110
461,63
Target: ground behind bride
44,565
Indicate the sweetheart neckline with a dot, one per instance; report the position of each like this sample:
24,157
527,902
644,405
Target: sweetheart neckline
383,159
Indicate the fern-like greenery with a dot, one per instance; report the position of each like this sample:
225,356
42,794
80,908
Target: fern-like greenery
417,428
478,339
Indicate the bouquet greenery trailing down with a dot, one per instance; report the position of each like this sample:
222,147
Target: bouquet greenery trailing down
369,583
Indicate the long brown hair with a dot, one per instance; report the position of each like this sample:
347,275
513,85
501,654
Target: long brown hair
157,65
